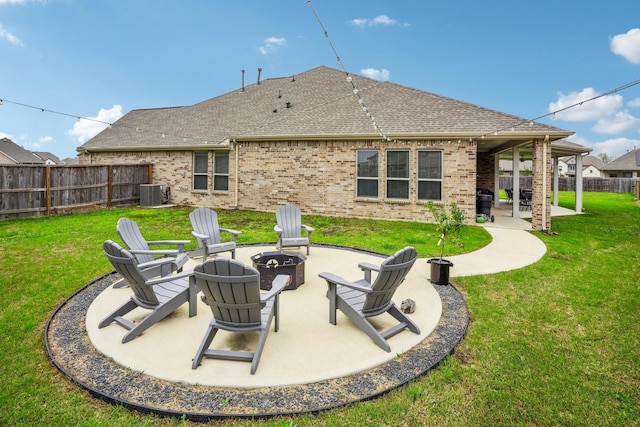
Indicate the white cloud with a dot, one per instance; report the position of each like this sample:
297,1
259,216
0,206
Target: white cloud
42,144
271,44
634,103
12,1
85,129
620,122
600,108
627,45
378,20
5,34
381,75
615,147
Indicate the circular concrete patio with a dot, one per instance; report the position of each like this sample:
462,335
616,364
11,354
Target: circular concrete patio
307,366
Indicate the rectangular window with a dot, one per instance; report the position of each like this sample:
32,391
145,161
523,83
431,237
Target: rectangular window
200,170
429,175
398,175
221,171
367,173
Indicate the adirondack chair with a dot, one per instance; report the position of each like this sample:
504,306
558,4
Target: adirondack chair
232,291
161,295
207,232
141,249
362,299
289,228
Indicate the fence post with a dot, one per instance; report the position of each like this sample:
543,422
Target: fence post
47,191
109,185
149,173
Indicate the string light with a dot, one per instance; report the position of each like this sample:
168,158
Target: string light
356,91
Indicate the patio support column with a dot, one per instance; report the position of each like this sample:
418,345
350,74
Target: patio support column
556,180
515,183
540,203
578,183
496,179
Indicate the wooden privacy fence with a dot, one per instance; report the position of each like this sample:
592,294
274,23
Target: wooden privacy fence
27,190
606,185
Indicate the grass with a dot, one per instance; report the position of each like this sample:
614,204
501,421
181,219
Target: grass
555,343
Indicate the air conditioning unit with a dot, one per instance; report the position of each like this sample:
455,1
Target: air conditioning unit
150,194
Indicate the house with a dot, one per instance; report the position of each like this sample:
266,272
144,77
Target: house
625,166
332,143
591,166
48,158
12,153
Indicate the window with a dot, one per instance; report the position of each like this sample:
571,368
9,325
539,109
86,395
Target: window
367,173
200,170
221,171
398,175
429,175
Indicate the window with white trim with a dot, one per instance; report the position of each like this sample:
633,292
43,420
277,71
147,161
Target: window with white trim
398,174
200,170
221,171
367,173
430,175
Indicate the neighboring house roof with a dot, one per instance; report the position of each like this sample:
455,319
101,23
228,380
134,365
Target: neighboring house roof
627,162
18,154
318,104
45,155
594,161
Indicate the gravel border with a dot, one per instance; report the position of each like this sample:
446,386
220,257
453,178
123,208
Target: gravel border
71,351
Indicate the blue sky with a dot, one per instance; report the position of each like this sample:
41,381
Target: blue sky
102,58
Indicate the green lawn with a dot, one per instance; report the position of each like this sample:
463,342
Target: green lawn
555,343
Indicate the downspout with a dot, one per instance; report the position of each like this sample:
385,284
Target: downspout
544,182
237,161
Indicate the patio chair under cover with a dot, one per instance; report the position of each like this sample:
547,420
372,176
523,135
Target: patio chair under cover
207,232
232,290
161,295
141,249
362,299
289,228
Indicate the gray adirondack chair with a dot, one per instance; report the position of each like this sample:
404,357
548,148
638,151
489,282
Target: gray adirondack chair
232,291
141,249
161,295
362,299
290,228
207,232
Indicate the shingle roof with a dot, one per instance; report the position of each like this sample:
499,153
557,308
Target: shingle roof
17,153
319,103
45,155
629,161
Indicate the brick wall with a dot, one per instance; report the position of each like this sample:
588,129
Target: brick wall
317,176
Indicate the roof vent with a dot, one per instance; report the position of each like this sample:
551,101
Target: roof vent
242,90
288,104
259,71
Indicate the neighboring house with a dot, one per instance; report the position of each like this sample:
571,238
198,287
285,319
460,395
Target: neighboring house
48,158
333,144
625,166
506,167
12,153
563,166
591,166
